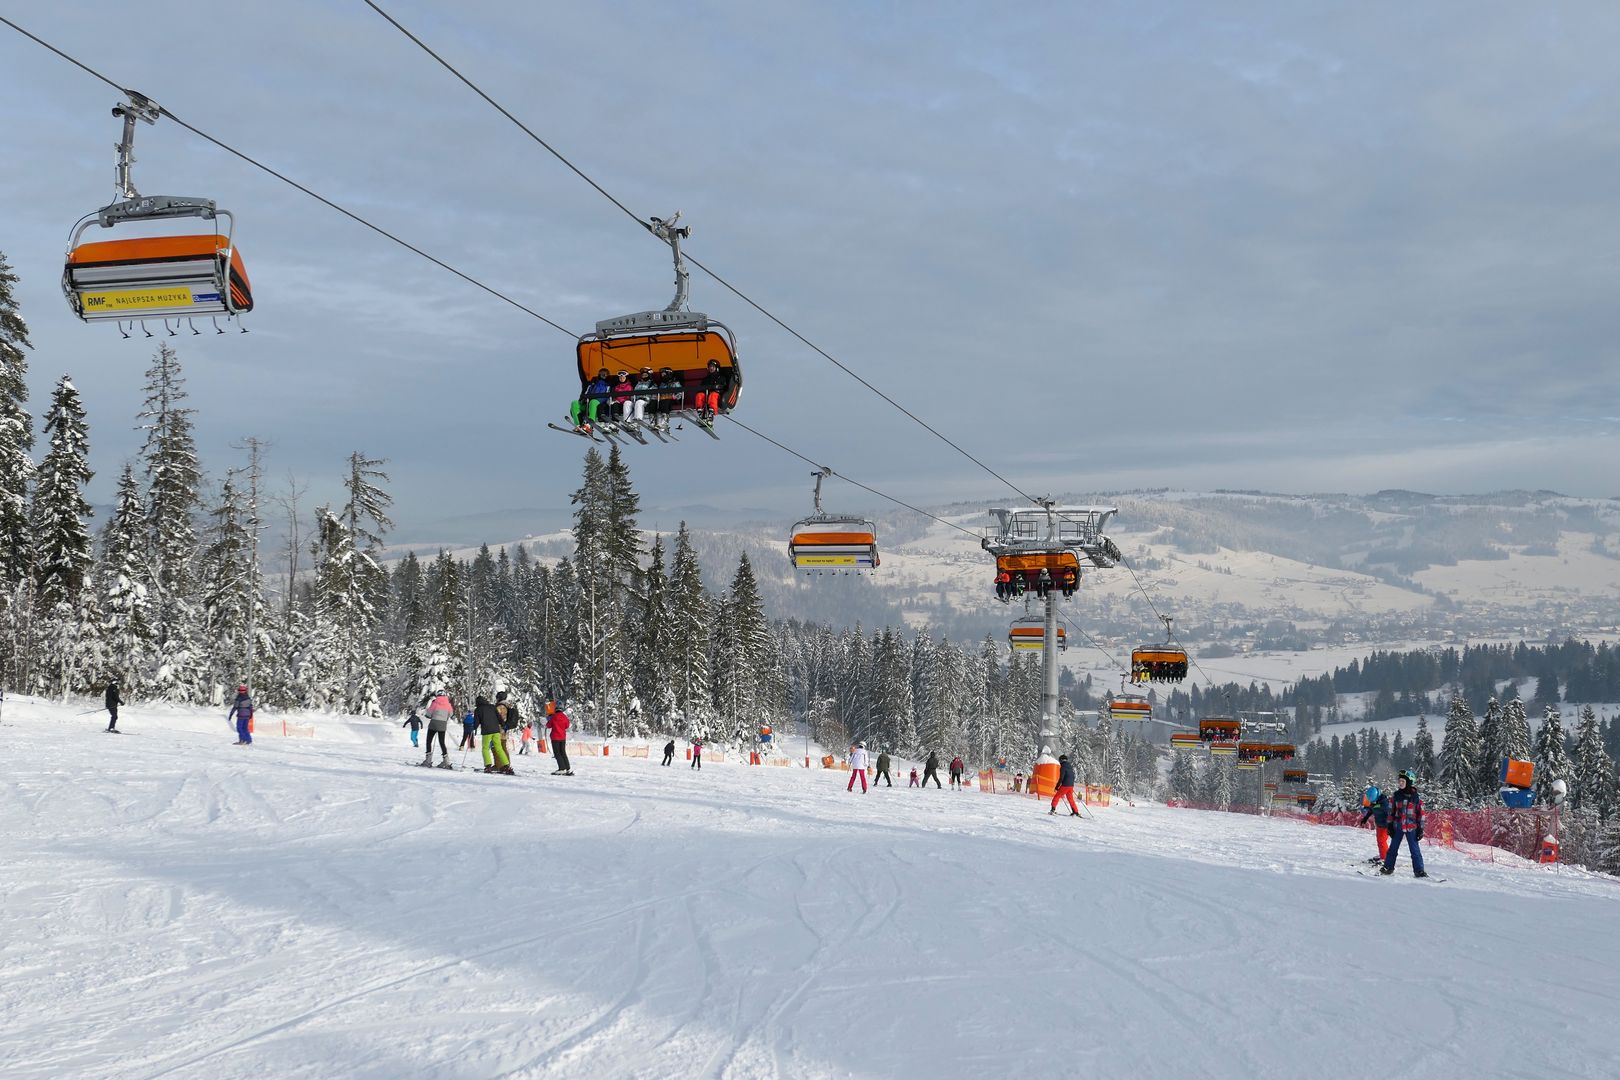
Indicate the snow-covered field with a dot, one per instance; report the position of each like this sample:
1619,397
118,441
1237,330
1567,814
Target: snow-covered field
176,906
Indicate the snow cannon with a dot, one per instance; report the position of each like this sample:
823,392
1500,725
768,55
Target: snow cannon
765,734
1517,780
1549,850
1043,778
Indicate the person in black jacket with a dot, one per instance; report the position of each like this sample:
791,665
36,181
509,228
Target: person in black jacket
113,701
1065,786
712,390
931,769
669,751
1405,819
489,725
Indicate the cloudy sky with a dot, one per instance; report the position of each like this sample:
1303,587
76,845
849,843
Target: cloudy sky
1294,246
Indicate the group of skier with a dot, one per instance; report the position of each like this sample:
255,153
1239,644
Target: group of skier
859,761
493,721
240,714
648,398
1396,817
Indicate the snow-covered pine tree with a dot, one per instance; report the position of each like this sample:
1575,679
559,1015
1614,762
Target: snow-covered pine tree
173,479
1551,756
689,640
1423,762
16,438
1491,745
746,688
342,641
128,636
62,549
1183,778
653,671
226,591
1459,749
1594,770
622,535
894,724
1516,742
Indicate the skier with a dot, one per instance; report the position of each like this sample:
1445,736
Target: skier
914,776
697,755
589,401
644,389
857,767
956,771
1018,782
711,390
113,701
489,725
413,722
510,718
557,730
468,724
242,713
882,770
439,711
525,732
1405,819
671,396
1376,806
931,769
1065,786
669,751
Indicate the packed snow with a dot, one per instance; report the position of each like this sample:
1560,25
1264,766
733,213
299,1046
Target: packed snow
316,906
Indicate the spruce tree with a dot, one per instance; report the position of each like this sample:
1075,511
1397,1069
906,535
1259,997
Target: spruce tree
1516,742
1491,749
1459,749
127,632
689,640
1594,771
1423,751
16,438
746,690
1551,756
62,549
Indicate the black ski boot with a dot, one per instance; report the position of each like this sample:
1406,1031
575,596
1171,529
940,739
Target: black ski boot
1386,870
1420,873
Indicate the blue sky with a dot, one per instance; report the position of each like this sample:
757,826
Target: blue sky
1292,246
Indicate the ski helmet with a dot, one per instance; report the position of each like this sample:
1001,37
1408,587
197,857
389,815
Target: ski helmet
1372,793
1408,775
242,689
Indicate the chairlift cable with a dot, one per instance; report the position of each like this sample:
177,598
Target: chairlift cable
744,297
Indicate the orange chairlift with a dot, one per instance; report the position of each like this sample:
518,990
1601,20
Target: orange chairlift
832,542
1159,663
1220,730
1186,740
174,278
1131,707
1030,633
690,361
1038,548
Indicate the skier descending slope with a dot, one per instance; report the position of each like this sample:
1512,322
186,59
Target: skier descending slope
1065,786
931,769
242,713
113,701
413,722
1405,819
439,711
489,725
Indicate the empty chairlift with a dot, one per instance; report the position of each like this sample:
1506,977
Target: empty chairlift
1030,633
832,542
132,279
1132,707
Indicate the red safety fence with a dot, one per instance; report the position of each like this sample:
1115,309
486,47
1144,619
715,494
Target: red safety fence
1475,833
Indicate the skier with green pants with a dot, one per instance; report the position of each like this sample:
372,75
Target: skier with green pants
489,726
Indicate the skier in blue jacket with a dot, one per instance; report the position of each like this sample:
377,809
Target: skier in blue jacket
242,713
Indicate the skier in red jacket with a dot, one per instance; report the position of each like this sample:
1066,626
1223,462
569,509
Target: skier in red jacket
557,732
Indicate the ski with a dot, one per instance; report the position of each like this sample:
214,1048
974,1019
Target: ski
581,432
1376,874
633,429
707,427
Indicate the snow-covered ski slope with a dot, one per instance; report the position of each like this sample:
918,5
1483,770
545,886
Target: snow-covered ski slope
179,907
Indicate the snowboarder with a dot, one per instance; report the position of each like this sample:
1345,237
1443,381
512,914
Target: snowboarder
469,724
439,711
1405,819
882,770
914,776
857,767
242,713
1376,806
1065,786
669,751
557,731
113,701
956,771
413,722
697,755
931,769
489,725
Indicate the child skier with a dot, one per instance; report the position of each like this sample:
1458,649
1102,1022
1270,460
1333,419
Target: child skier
1065,786
242,713
1405,819
857,767
1376,806
914,776
956,771
469,724
413,722
523,747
